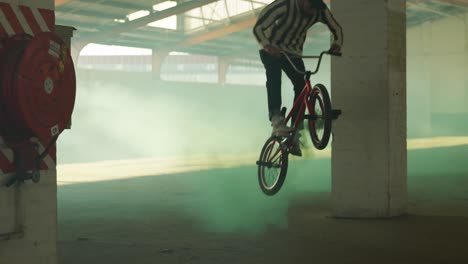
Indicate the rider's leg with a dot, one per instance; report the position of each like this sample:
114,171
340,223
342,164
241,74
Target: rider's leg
273,84
273,73
297,80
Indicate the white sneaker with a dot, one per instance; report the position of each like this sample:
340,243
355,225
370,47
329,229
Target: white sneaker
296,145
279,127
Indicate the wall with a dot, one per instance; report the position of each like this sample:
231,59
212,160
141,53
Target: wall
28,213
437,79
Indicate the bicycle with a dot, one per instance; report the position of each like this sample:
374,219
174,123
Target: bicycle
275,152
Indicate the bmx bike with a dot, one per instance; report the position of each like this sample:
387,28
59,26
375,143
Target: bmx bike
274,157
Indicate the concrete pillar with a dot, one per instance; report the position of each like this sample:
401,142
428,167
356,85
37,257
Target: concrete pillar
369,86
223,65
158,59
28,212
75,50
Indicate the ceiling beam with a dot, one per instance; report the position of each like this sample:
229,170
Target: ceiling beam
127,5
187,44
223,30
141,22
131,5
219,32
463,3
456,3
89,17
421,6
61,2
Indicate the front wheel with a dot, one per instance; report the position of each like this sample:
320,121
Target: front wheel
320,120
272,166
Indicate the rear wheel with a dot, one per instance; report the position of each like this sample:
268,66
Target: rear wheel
272,166
320,120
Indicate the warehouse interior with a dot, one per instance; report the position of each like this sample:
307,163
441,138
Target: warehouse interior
170,115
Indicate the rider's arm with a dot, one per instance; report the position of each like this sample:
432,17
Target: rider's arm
267,17
335,28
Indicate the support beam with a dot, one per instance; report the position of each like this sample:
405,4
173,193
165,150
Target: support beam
130,5
75,49
423,7
369,85
127,5
463,3
222,31
223,66
158,58
456,3
141,22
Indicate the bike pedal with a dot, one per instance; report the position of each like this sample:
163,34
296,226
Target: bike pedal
336,113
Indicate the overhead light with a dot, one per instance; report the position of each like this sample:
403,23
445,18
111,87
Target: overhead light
164,5
138,14
178,53
168,22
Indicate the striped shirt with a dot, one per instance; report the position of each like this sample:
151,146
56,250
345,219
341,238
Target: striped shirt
283,25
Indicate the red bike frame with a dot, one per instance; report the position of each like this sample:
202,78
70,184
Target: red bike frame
303,100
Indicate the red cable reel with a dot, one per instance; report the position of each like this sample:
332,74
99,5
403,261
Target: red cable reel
37,94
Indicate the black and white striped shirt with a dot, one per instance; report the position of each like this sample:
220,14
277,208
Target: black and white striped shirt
282,24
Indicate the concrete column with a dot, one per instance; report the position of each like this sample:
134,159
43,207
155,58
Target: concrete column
75,50
158,59
28,212
369,86
33,209
223,65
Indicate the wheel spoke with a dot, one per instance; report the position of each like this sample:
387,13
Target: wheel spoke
272,173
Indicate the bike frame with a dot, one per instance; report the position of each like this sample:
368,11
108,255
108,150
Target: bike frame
303,99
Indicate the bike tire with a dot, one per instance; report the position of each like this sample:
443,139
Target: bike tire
271,146
321,117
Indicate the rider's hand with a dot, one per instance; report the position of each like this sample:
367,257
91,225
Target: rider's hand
335,49
272,50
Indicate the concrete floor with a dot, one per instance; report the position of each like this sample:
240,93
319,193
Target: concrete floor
221,216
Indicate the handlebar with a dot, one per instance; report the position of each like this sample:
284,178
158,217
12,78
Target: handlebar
288,57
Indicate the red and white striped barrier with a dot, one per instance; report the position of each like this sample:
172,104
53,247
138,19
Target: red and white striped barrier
18,19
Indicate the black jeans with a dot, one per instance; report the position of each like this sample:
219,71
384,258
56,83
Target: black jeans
273,66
